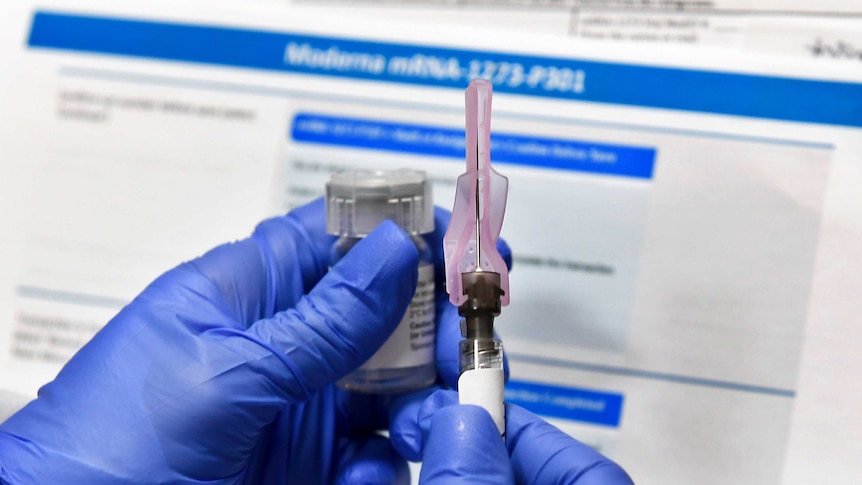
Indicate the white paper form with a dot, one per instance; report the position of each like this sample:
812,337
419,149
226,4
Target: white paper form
829,30
11,33
681,229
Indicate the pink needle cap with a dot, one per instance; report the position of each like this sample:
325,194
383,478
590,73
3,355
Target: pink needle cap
470,243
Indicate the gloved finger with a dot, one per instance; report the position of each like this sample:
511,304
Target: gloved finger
410,419
464,446
541,453
505,252
342,321
446,346
435,242
269,272
404,431
371,461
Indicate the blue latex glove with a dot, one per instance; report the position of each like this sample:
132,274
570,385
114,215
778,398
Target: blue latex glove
221,371
462,445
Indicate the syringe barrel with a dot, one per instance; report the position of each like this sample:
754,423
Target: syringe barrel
482,378
480,353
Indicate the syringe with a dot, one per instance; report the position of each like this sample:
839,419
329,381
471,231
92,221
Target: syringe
477,278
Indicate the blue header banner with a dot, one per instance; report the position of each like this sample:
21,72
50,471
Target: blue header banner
747,95
594,407
554,153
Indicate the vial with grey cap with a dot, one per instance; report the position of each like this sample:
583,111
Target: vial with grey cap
357,201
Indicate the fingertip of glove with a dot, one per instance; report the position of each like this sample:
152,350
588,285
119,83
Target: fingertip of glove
387,251
389,232
464,446
463,423
311,218
404,431
557,454
434,403
446,346
312,212
605,473
505,252
441,217
519,420
408,445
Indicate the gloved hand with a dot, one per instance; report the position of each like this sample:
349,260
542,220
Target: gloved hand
462,445
221,371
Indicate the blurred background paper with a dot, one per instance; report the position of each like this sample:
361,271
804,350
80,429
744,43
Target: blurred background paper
830,29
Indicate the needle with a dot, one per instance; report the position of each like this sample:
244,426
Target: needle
478,232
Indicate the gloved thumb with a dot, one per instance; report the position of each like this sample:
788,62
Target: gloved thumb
346,317
464,446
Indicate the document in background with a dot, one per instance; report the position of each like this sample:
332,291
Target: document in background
10,39
681,223
828,30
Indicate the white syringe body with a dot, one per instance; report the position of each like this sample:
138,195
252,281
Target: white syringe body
482,378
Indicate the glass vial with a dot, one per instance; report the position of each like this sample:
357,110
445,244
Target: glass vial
357,201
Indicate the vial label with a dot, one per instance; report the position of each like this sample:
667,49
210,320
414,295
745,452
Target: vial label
412,343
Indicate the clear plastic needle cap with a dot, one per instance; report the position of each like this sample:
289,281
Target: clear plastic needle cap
470,243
